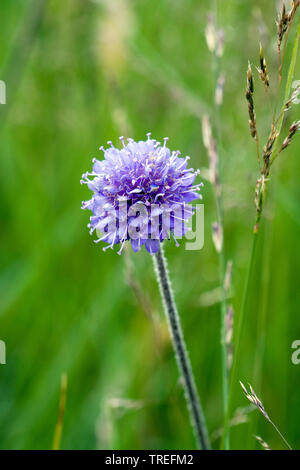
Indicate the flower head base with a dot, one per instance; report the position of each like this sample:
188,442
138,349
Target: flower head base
140,193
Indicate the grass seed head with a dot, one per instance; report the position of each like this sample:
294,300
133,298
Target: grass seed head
249,98
282,24
217,235
262,70
253,398
211,147
263,443
295,127
267,150
294,98
220,90
229,335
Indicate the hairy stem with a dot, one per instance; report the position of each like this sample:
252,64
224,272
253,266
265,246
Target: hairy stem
181,354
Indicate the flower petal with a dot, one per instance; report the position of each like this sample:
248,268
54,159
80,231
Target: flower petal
152,246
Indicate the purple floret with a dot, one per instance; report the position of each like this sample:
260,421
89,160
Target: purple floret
140,193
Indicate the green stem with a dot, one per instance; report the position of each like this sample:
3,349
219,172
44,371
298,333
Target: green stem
183,362
222,262
223,332
238,336
223,312
282,437
233,380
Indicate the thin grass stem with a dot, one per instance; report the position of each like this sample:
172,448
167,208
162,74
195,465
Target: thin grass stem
274,154
61,413
287,90
282,437
222,262
238,336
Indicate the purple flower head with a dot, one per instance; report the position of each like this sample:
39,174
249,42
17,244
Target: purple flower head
140,193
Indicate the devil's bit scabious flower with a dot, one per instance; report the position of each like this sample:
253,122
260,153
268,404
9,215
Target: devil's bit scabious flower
152,183
141,193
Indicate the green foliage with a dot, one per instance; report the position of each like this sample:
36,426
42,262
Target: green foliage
81,74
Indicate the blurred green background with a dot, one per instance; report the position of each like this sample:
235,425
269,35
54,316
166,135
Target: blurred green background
79,73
